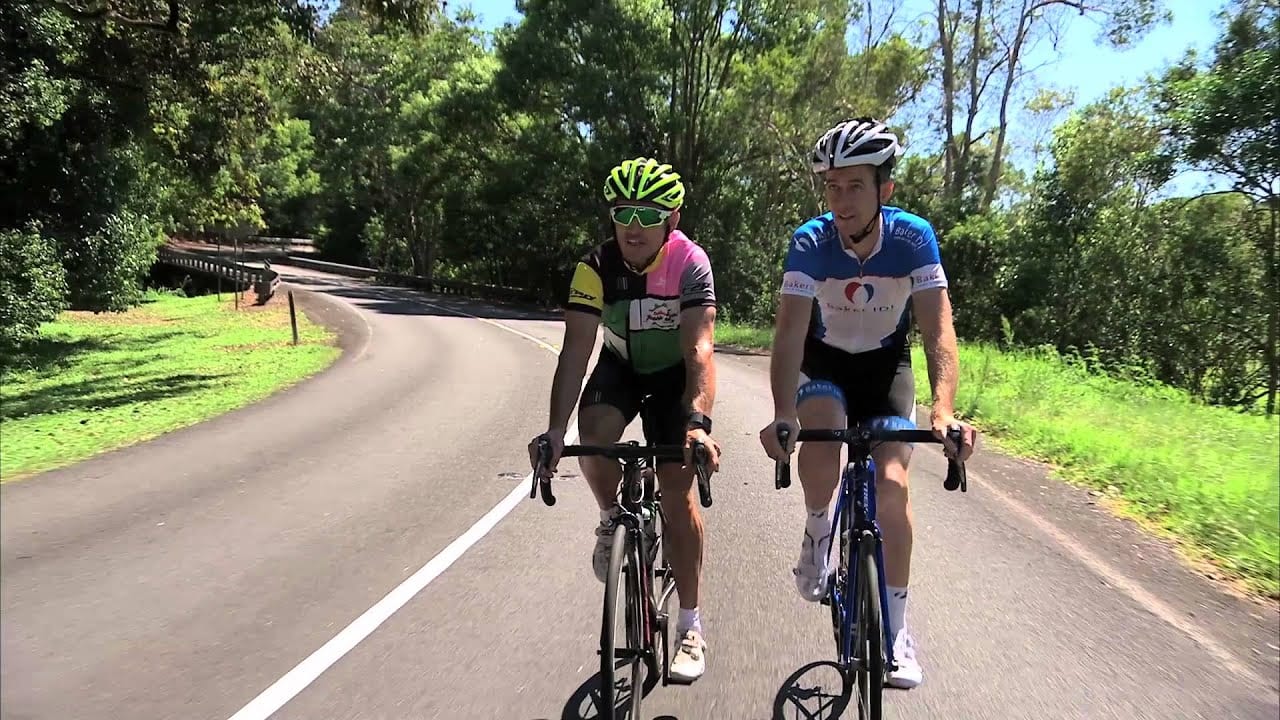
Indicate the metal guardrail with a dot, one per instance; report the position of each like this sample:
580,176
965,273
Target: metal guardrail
264,280
441,287
285,243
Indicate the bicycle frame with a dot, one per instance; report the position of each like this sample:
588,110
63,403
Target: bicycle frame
855,516
641,515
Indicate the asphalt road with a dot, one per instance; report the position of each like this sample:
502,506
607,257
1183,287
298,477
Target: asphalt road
186,577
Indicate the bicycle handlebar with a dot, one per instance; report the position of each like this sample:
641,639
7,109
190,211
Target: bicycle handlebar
956,475
623,451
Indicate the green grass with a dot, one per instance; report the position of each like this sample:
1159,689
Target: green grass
1203,476
92,383
743,336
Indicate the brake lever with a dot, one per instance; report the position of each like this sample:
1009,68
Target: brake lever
782,470
957,477
700,458
539,481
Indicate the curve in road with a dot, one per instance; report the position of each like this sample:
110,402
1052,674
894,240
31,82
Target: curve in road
187,576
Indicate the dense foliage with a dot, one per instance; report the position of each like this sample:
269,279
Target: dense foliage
400,134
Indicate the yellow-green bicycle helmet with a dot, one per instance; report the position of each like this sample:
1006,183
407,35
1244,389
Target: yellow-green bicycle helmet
645,179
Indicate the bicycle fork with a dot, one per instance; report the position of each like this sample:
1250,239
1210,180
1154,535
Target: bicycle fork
858,521
873,526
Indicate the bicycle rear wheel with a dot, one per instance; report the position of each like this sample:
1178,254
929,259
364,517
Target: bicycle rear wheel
621,612
868,649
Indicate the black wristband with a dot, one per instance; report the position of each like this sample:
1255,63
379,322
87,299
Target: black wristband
699,421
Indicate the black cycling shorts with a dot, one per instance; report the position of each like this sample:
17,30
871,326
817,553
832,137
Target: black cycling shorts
660,395
876,383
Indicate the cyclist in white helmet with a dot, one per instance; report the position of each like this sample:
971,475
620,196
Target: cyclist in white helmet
852,280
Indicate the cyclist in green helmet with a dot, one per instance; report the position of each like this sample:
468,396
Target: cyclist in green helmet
652,289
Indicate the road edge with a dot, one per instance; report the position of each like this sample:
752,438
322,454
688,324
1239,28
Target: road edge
351,330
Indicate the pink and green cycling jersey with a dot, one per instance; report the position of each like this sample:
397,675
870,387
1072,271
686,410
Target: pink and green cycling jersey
640,310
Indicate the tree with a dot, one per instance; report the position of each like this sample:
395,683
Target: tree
1226,119
982,45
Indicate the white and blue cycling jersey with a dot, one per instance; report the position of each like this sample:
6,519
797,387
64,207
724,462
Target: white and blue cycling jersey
861,306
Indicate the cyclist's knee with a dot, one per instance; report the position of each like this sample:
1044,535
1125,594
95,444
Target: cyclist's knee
892,486
820,403
600,424
675,481
823,457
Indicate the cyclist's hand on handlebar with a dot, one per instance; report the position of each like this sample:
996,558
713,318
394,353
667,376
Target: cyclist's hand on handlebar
713,448
946,421
556,440
769,438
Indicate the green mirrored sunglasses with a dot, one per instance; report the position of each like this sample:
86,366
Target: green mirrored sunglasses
648,217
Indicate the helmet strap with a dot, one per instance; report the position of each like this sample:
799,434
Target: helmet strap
866,230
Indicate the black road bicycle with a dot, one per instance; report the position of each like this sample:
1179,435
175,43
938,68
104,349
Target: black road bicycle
637,578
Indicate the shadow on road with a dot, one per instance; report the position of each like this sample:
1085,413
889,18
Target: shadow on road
584,703
401,301
807,694
740,350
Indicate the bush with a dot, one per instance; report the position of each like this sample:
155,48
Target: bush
106,267
33,284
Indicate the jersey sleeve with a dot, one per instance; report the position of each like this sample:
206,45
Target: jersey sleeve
802,269
926,262
586,290
697,283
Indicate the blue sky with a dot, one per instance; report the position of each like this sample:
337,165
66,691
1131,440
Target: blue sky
1078,64
1084,67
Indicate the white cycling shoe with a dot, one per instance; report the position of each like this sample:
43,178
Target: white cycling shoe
811,570
690,659
909,673
604,546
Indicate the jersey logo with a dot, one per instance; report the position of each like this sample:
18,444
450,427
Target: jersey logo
912,236
577,294
657,314
851,292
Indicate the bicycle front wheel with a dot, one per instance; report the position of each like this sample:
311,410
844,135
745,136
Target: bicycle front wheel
869,632
620,641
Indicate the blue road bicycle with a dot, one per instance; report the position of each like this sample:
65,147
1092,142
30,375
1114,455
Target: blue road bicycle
856,589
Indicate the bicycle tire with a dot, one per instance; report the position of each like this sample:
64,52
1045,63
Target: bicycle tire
870,631
839,584
637,609
621,583
838,590
658,602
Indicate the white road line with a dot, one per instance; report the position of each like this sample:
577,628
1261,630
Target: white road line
305,672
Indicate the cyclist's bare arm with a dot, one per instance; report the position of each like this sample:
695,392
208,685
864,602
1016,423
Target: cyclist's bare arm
788,350
697,341
933,315
575,352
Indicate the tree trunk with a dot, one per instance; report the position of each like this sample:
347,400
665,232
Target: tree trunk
946,45
1273,324
997,157
971,113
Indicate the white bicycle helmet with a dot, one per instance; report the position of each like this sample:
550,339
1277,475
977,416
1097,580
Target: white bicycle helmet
859,141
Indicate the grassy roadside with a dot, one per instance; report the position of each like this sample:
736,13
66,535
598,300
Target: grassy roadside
95,383
1205,477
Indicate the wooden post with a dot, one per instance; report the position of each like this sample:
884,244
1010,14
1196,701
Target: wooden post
293,318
